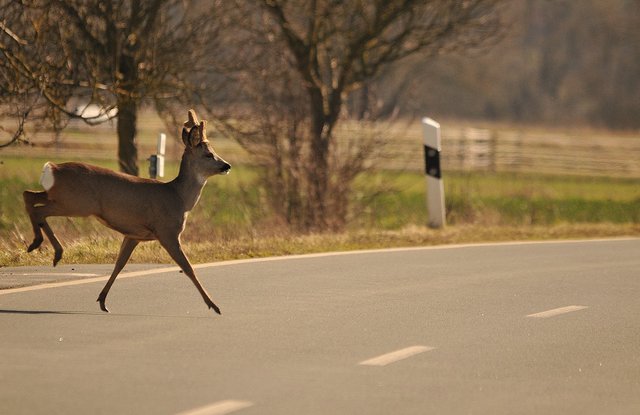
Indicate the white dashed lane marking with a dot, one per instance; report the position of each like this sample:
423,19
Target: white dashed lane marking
395,356
557,311
219,408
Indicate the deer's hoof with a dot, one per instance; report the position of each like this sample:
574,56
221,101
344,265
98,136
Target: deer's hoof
34,245
215,307
103,307
57,257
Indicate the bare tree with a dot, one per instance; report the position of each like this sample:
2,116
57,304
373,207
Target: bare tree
113,54
287,68
308,57
558,62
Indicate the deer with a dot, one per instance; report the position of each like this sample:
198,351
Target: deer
140,209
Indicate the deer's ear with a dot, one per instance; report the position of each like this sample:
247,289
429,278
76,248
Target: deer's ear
185,136
194,137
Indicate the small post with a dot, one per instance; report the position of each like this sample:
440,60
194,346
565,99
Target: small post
162,142
435,189
156,161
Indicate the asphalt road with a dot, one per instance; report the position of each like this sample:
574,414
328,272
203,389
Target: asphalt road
533,328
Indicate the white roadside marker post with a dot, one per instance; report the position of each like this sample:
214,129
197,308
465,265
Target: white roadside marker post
435,189
162,143
156,161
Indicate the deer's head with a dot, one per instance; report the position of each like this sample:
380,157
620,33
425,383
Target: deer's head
201,156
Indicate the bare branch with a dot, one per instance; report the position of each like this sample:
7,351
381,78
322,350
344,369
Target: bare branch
19,133
12,34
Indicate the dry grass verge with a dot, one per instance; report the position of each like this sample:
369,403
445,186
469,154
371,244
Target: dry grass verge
104,249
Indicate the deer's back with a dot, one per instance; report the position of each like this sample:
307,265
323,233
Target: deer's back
92,190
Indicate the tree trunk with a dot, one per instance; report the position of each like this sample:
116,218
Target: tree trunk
127,149
317,170
323,120
318,178
128,112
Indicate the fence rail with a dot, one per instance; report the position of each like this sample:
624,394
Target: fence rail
463,149
471,149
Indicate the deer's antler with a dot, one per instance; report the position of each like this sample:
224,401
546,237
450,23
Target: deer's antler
193,120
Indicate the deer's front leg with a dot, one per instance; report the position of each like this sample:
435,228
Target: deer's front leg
172,245
127,247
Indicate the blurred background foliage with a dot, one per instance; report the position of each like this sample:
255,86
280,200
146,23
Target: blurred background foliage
557,62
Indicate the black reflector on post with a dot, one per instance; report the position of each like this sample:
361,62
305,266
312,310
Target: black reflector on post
432,162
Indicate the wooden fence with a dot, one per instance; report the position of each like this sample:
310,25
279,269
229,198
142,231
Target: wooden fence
464,148
502,150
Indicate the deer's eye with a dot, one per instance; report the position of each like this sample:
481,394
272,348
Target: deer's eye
209,155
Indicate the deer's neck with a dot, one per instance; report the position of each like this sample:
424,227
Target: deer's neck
188,184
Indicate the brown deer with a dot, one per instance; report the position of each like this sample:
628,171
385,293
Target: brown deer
140,209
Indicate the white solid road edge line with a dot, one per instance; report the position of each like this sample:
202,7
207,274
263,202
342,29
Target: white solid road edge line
302,256
218,408
395,356
53,274
558,311
88,280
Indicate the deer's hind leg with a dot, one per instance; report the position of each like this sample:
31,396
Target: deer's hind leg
39,207
31,200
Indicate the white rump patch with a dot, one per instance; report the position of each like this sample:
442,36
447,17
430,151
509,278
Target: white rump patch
47,180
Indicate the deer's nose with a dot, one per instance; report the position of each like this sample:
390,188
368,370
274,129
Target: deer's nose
226,167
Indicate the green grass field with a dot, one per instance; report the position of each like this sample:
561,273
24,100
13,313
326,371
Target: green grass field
510,199
232,219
